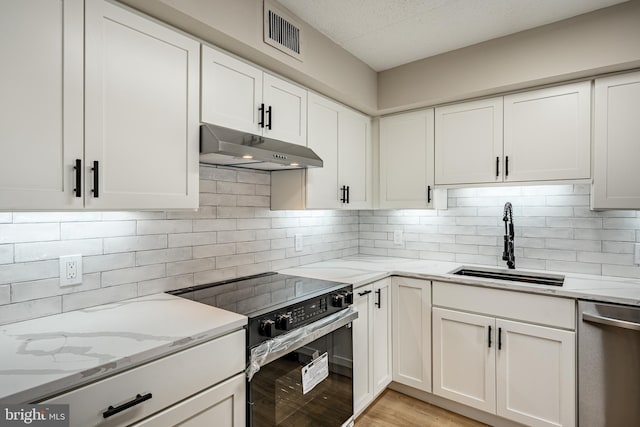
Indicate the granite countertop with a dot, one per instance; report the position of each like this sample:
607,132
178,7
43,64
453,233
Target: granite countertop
49,355
361,269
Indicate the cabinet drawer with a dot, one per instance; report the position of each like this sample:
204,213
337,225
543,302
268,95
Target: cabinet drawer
169,380
540,309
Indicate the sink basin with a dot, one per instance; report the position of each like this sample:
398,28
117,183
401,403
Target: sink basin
511,275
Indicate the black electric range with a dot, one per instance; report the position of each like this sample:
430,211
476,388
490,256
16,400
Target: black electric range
274,303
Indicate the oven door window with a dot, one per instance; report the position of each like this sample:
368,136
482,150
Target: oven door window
275,392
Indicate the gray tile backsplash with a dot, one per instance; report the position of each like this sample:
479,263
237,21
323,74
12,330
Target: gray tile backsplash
555,230
129,254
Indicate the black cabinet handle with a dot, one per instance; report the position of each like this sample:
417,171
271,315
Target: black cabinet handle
378,303
499,338
364,293
138,400
78,169
343,199
489,336
270,114
428,194
261,110
497,166
506,166
347,194
96,170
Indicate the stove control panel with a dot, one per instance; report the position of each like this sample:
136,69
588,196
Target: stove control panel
297,315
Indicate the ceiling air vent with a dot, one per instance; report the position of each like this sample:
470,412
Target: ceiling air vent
281,31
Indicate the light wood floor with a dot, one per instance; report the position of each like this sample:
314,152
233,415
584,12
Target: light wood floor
393,409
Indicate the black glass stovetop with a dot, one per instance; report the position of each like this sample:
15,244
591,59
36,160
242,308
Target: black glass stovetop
257,295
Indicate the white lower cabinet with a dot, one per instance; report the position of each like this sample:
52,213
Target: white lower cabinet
520,371
371,343
222,405
189,388
411,320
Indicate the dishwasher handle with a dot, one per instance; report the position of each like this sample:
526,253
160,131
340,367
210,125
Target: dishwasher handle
609,321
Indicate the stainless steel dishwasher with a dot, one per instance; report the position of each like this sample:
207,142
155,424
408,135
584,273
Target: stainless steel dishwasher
608,365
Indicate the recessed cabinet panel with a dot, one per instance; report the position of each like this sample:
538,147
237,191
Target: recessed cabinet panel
362,345
547,133
141,112
616,143
536,377
406,159
468,142
464,358
41,103
288,117
322,183
231,91
381,335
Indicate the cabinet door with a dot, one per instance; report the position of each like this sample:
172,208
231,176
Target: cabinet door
141,111
41,104
362,345
231,92
536,380
468,142
616,148
222,405
547,133
322,183
464,358
411,299
354,158
381,335
287,120
406,159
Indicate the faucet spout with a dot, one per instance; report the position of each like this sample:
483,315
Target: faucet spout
508,254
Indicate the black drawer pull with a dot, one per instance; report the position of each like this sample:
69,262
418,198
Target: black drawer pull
378,303
261,110
428,194
489,336
499,338
506,166
497,167
364,293
270,114
138,400
347,194
78,169
95,191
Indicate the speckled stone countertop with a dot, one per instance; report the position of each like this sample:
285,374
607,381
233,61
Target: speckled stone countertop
360,270
46,356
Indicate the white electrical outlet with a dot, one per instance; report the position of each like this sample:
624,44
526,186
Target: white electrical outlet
397,237
636,254
70,270
298,243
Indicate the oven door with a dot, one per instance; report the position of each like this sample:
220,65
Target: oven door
280,395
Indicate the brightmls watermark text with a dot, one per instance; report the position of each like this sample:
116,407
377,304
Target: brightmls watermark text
34,415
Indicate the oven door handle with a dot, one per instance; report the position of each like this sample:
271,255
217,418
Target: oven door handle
275,348
609,321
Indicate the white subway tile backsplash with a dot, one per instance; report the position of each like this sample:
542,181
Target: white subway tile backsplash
605,258
29,217
39,251
621,270
192,239
80,300
596,234
618,247
164,284
235,188
191,266
12,273
135,243
18,233
159,256
92,264
133,274
208,251
257,201
90,230
25,291
6,254
6,217
19,311
5,294
165,226
573,267
214,225
263,178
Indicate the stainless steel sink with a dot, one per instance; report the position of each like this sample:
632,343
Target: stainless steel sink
511,275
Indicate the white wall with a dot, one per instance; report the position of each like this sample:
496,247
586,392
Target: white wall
598,42
129,254
236,25
555,230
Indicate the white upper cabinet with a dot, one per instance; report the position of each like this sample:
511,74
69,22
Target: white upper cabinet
468,142
616,143
231,92
406,160
240,96
41,104
342,139
354,158
141,107
547,133
285,110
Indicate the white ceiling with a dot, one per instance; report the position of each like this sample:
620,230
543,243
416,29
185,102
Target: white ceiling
388,33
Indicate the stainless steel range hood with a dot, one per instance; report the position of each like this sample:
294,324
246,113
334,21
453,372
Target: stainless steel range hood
223,146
